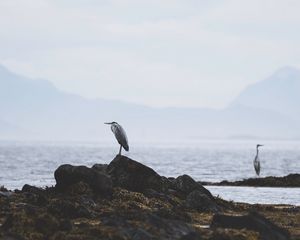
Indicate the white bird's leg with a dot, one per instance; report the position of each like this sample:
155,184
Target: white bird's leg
120,149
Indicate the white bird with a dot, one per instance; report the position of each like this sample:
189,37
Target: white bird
256,161
120,135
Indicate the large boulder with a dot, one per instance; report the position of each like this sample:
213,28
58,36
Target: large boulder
185,184
134,176
100,167
201,202
254,222
67,175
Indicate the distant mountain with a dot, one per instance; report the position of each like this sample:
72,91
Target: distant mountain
279,93
36,109
45,112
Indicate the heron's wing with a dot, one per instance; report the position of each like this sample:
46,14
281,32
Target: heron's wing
257,165
120,135
258,168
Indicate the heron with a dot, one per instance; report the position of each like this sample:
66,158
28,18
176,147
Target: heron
256,161
120,135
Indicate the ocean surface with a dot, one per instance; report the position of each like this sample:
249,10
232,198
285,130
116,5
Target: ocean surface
210,160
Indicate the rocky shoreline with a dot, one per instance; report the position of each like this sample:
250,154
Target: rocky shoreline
291,180
128,200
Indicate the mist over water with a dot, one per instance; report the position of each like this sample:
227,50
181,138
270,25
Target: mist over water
206,160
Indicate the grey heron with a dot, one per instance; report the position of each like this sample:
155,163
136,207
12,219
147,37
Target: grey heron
120,135
256,161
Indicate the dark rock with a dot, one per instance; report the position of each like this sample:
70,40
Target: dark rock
65,225
163,228
254,222
177,229
30,209
291,180
134,176
186,185
32,189
201,202
37,199
113,221
46,224
141,234
100,167
3,189
12,237
8,222
163,209
86,201
166,197
67,175
173,214
34,195
191,236
68,209
80,189
6,194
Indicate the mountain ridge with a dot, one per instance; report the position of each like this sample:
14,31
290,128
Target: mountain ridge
43,111
279,92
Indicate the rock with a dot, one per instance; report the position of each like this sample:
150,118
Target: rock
32,189
141,234
35,195
46,224
100,167
80,189
134,176
174,208
174,214
201,202
13,237
67,175
191,236
177,228
68,209
185,184
6,194
166,197
8,222
3,189
65,225
291,180
254,222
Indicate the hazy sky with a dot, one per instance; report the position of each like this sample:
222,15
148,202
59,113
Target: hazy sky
155,52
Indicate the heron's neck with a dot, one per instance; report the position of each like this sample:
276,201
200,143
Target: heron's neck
256,151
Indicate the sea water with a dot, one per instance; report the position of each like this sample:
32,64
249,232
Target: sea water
205,160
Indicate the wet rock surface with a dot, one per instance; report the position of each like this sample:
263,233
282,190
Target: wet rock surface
128,200
252,221
135,176
67,175
185,184
291,180
201,202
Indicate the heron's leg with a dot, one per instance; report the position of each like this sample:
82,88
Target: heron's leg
120,149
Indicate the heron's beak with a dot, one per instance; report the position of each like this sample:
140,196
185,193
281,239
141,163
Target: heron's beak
107,123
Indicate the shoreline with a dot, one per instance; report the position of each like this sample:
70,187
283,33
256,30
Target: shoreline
128,200
288,181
